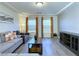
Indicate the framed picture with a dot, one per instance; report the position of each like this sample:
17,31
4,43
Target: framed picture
6,19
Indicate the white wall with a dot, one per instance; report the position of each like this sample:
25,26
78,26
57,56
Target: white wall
4,10
69,19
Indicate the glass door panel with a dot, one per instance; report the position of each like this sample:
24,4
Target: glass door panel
46,28
32,26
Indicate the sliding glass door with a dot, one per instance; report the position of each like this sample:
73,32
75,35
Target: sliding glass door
46,27
32,26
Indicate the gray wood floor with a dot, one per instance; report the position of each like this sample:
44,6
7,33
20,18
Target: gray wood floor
51,47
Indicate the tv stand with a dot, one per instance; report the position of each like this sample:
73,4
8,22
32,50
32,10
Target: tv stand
71,41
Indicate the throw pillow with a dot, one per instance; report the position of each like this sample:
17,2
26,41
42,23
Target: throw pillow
7,38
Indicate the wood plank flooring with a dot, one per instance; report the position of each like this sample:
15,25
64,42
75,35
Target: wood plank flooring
51,47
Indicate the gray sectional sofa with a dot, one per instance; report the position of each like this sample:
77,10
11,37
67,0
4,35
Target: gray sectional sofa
10,46
7,48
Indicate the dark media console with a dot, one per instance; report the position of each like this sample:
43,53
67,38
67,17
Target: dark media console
71,41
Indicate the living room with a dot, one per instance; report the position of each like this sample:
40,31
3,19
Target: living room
44,25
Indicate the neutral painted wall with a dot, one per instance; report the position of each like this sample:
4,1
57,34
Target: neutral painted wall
69,19
7,26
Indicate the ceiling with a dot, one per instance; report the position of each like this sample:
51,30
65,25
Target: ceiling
30,8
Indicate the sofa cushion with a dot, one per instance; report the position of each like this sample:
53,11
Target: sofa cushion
14,46
7,45
7,38
2,37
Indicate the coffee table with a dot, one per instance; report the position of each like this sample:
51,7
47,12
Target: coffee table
35,48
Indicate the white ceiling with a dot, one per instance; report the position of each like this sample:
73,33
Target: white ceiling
30,8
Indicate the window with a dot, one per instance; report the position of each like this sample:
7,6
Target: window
32,25
46,27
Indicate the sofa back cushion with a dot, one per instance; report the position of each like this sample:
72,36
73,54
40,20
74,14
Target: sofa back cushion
7,38
2,37
10,36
